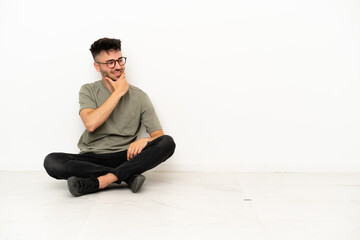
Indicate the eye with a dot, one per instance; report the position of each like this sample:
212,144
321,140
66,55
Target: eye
111,62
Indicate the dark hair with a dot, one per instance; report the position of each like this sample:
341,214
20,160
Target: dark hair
105,44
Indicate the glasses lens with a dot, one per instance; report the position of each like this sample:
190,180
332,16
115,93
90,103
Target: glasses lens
110,64
122,61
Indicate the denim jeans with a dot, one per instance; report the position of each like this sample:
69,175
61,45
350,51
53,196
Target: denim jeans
64,165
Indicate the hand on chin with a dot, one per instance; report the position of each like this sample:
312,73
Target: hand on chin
114,78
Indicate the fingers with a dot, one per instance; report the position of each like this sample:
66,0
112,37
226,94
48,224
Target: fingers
134,149
123,75
131,152
138,151
128,153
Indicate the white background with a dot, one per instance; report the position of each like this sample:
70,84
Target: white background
240,85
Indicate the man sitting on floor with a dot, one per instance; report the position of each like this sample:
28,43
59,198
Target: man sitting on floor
112,111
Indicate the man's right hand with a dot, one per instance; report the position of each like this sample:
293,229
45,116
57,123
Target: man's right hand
93,118
121,86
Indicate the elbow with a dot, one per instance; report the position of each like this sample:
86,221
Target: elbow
88,122
90,127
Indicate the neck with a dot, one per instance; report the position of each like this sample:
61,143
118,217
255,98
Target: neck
108,85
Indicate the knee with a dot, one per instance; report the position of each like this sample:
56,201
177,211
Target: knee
52,165
169,144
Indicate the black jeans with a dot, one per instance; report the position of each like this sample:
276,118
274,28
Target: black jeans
65,165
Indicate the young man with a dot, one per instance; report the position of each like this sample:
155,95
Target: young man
112,111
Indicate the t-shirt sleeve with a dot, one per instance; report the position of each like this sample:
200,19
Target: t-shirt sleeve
86,98
148,116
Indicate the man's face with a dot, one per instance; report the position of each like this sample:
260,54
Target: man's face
105,71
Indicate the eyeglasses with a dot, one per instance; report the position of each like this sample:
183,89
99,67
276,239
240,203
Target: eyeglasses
112,63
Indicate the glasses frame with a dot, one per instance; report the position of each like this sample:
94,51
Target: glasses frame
118,61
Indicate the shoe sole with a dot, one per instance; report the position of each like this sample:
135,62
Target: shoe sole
73,186
138,182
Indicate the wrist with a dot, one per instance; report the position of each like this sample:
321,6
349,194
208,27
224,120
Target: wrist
118,93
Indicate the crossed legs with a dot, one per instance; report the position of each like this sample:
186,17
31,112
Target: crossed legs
111,167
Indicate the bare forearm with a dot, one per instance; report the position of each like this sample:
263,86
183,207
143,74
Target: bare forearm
97,117
155,135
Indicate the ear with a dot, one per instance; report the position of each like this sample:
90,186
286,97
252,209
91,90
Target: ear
97,67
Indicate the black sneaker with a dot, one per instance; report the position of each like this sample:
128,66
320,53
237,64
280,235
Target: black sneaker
135,182
80,186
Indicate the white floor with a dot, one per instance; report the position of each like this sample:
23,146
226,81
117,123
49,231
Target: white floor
185,205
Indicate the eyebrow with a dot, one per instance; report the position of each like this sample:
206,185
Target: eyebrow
112,59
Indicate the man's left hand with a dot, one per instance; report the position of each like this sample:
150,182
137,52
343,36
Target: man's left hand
136,147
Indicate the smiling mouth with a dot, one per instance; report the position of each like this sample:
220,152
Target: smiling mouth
118,74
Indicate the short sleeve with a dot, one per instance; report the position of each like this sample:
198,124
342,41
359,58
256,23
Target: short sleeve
86,98
148,116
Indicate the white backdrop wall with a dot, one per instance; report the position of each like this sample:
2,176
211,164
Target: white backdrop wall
240,85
